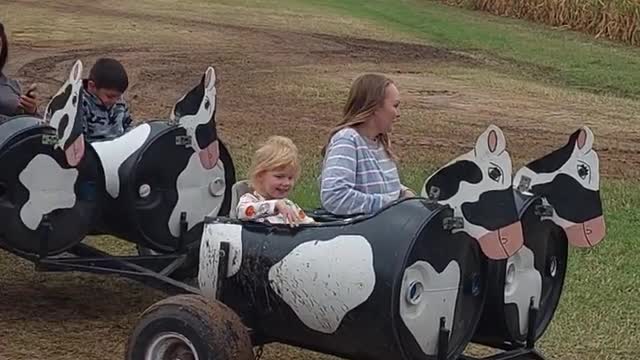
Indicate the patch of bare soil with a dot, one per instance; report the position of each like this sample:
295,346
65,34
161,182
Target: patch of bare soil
270,81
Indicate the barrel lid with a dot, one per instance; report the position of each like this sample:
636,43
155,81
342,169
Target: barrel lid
443,281
36,181
16,126
537,271
166,180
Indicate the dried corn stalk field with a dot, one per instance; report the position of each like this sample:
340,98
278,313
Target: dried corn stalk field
613,19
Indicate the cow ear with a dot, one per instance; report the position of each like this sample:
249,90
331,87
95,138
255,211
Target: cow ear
491,142
76,72
172,116
210,78
584,142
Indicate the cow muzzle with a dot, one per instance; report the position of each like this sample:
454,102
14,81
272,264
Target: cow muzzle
502,243
586,234
75,151
209,155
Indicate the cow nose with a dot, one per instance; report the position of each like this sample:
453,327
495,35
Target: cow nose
209,155
586,234
502,243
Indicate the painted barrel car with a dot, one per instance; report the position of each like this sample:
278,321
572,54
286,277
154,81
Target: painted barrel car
48,173
438,275
419,279
390,275
153,186
162,172
559,204
376,286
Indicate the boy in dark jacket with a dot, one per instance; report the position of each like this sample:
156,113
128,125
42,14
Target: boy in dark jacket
105,113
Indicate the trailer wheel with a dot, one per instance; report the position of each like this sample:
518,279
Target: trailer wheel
188,327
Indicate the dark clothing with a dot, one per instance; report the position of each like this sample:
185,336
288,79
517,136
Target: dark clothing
100,122
9,97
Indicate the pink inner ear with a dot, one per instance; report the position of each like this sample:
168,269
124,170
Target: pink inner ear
493,141
582,139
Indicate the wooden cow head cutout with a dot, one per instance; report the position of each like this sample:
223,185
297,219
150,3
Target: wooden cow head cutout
477,185
569,180
195,112
64,113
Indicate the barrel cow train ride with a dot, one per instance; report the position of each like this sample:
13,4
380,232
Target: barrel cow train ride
480,256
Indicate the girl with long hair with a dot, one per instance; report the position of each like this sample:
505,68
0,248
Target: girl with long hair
359,172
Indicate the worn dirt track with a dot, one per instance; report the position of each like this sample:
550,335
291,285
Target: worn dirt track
272,81
269,80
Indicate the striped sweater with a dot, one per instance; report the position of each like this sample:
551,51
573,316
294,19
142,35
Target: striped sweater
357,175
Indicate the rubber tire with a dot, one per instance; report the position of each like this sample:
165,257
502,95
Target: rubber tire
216,331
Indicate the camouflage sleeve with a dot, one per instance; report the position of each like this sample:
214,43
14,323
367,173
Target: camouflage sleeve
86,112
123,115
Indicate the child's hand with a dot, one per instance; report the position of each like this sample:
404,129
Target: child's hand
289,213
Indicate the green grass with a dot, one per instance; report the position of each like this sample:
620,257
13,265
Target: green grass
596,313
537,51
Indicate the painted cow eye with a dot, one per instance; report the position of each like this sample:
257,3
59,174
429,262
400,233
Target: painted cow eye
495,173
206,104
583,171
